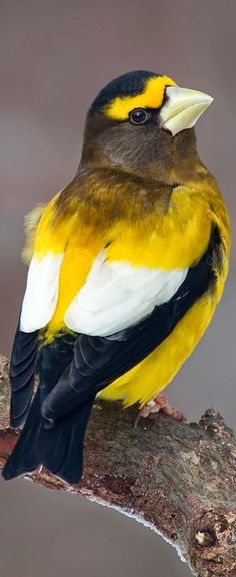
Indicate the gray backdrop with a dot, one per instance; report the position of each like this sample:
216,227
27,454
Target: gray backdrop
54,57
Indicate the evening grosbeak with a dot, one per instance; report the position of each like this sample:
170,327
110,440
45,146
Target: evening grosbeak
127,265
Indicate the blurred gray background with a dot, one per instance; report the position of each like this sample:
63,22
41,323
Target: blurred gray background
54,57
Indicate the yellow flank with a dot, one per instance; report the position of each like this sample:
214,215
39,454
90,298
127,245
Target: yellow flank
151,97
154,373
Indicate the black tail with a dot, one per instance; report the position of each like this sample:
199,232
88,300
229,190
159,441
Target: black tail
60,447
24,457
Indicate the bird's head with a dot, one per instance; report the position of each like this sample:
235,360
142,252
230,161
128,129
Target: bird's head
140,119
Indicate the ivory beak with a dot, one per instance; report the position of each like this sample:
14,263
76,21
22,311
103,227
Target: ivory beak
183,108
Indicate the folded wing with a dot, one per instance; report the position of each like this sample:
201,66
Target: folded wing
99,360
117,295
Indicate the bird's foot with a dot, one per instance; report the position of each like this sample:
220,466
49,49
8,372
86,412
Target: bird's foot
160,403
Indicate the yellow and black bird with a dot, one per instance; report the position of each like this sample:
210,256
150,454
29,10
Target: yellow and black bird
127,265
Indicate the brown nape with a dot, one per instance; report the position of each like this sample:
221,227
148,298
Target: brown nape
146,150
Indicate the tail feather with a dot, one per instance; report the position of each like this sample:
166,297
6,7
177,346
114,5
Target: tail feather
59,448
24,457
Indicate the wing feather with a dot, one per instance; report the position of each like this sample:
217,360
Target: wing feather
41,293
117,295
98,361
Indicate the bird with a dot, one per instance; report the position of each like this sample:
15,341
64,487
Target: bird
127,264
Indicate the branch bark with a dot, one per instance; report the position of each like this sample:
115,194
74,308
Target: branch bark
179,478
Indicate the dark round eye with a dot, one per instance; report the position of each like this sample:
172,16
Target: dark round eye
139,116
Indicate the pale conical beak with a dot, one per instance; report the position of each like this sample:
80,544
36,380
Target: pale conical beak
182,108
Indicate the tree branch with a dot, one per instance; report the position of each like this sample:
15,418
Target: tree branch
178,478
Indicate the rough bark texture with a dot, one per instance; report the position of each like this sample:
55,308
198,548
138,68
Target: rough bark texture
178,477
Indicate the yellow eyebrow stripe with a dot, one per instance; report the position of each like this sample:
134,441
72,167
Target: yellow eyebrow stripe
151,97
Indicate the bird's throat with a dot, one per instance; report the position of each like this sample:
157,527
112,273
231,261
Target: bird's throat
157,156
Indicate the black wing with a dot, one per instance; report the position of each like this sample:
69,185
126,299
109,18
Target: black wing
22,374
99,361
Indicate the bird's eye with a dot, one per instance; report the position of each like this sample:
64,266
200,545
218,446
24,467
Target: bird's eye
139,116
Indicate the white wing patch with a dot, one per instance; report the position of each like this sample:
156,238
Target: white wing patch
41,292
117,295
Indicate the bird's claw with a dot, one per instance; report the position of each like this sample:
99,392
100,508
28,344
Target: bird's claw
160,403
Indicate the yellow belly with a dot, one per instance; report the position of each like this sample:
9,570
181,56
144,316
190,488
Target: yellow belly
154,373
